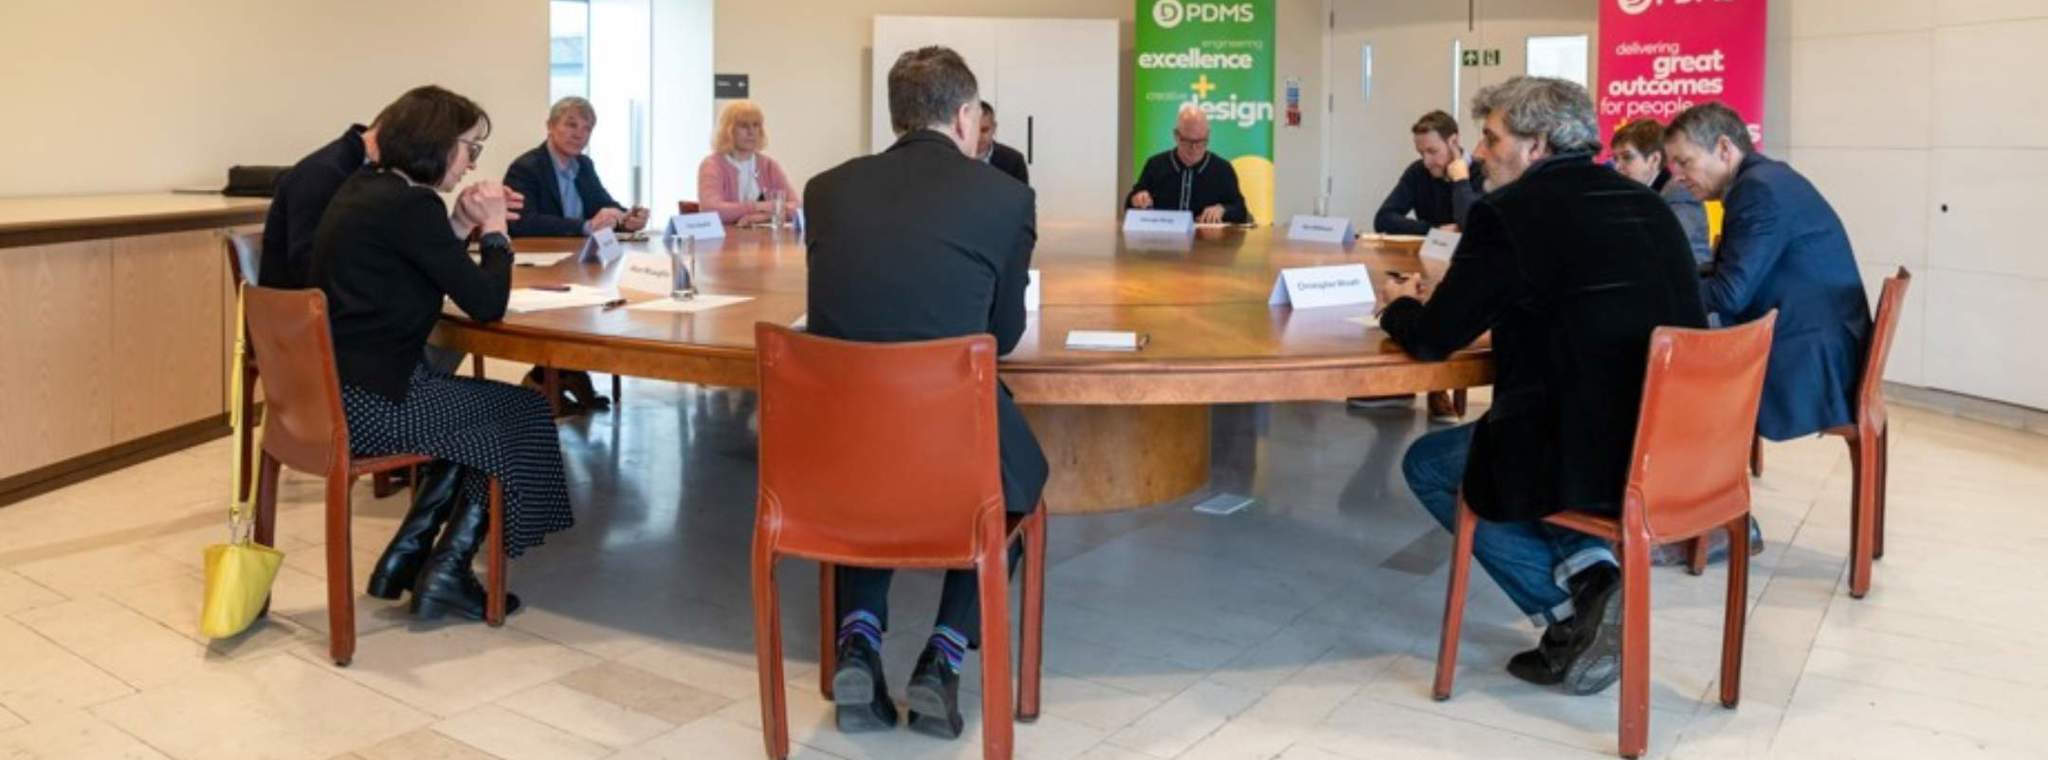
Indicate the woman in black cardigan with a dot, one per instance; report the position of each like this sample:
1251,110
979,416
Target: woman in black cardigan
386,253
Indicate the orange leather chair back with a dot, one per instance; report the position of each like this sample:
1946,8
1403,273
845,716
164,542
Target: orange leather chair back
877,452
303,424
1700,398
1870,411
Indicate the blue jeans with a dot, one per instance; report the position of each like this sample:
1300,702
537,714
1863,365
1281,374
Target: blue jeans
1530,560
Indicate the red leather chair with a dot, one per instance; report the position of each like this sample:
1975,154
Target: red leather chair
884,455
304,429
1700,398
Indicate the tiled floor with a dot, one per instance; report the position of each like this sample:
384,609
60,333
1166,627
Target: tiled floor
1301,629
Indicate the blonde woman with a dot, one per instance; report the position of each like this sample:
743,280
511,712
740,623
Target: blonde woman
737,180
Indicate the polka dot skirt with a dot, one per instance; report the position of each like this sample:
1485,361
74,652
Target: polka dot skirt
490,428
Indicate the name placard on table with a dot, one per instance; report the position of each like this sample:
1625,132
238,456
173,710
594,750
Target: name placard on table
1314,287
648,273
1321,229
701,226
602,247
1440,244
1031,292
1152,221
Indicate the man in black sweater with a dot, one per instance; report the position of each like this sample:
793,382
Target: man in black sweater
1438,187
1190,178
997,154
302,195
1571,266
921,242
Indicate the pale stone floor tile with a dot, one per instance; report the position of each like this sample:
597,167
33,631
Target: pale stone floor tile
451,667
18,593
645,693
1491,697
42,679
108,569
134,648
1833,715
1365,729
509,735
175,604
277,706
597,720
9,720
72,736
422,744
1184,720
713,737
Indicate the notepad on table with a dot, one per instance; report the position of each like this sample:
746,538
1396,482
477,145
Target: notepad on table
527,300
1104,340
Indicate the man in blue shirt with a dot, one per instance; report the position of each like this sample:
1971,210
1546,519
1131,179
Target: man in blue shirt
564,197
1782,247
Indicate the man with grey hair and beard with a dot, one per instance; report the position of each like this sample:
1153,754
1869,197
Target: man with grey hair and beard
1571,266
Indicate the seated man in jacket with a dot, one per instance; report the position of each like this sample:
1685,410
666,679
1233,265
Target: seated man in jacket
1638,149
1187,177
1438,188
1571,305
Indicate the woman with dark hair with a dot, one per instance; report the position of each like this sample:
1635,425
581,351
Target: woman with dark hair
386,254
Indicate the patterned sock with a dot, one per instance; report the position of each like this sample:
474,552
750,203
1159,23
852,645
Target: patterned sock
951,644
864,624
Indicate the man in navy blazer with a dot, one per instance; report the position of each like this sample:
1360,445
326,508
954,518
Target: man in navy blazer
564,197
1782,247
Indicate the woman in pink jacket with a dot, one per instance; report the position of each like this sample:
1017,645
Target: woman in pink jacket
737,180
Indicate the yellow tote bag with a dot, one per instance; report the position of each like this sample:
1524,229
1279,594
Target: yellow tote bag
239,572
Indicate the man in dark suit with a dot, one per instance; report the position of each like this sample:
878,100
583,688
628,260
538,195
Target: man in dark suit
920,242
1782,247
1438,188
1571,266
997,154
301,197
565,198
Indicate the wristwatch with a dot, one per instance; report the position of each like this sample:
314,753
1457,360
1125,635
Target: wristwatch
495,240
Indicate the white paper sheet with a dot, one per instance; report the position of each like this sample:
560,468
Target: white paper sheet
529,300
703,302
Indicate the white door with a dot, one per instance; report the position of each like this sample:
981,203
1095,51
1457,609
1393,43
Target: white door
973,38
1058,106
1390,62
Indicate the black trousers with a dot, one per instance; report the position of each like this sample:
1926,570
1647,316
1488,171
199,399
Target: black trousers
867,588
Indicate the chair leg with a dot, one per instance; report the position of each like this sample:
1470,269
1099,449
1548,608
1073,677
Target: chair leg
1458,402
1454,600
1737,613
265,533
248,442
494,563
1032,627
1884,476
994,573
476,365
1863,465
384,484
618,393
341,600
1635,644
551,386
828,626
1696,556
768,650
1756,457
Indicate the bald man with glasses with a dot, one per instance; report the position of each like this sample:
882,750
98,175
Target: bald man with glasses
1190,178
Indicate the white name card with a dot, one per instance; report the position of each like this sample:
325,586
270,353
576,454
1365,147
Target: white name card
1031,292
648,273
1321,229
1440,244
1154,221
704,226
1104,340
1313,287
602,247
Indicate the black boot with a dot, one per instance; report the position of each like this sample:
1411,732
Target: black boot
1582,654
934,695
448,583
860,694
432,499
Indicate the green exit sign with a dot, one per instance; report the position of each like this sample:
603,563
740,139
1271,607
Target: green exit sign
1488,57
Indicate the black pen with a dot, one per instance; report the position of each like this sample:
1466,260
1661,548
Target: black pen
614,303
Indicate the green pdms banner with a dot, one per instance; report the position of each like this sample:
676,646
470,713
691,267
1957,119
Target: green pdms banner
1218,56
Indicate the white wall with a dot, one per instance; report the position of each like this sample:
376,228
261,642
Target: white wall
1925,123
142,95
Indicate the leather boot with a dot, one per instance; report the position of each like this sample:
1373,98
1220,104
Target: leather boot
448,583
432,499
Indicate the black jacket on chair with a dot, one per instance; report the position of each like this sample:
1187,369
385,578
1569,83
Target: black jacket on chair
921,242
1571,267
533,175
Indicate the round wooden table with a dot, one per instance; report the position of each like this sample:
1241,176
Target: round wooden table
1121,430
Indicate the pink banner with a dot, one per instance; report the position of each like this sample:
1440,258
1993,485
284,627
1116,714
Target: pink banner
1659,57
